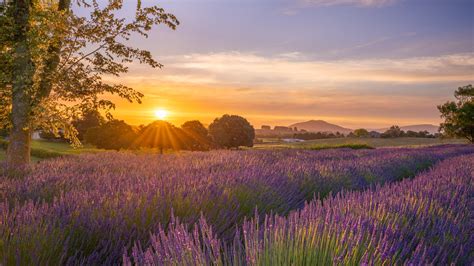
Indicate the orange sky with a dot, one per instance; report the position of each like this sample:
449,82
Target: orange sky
356,63
288,88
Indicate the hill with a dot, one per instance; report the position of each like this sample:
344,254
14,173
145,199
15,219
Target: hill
321,126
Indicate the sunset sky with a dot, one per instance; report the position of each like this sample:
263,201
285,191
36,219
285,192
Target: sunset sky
356,63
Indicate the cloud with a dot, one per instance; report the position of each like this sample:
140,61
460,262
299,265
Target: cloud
248,69
288,87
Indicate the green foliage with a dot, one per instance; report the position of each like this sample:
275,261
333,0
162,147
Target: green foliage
361,133
113,135
459,116
317,135
89,119
232,131
420,134
44,154
39,153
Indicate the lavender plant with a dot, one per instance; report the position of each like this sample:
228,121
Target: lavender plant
425,221
92,208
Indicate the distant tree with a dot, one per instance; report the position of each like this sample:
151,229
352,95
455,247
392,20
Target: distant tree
113,135
420,134
196,135
411,134
161,135
89,119
393,132
361,133
53,60
459,116
316,135
232,131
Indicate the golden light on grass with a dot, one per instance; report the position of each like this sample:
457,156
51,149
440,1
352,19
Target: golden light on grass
161,114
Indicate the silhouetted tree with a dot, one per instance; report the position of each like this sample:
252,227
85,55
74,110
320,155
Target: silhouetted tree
232,131
90,119
196,136
316,135
113,135
459,116
161,135
393,132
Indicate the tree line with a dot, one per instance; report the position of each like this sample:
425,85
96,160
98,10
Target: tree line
228,131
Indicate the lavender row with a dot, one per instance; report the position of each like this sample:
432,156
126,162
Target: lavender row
425,221
91,207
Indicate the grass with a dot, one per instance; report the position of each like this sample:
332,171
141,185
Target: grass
340,146
61,148
42,149
355,142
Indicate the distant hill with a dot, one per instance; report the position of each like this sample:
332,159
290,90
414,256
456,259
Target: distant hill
321,126
422,127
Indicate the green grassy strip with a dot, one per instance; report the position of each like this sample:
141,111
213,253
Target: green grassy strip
354,146
35,152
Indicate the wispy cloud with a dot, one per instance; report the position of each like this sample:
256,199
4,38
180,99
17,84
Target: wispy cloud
364,3
297,5
289,87
290,70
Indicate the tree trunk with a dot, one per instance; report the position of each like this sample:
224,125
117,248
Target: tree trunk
18,154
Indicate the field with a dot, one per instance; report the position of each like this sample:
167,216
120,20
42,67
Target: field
371,142
247,207
46,149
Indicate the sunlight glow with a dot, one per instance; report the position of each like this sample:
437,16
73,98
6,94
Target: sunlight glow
161,114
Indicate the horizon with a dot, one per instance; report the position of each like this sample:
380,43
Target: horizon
356,63
155,119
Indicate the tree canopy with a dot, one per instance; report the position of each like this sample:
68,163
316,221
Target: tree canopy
162,135
196,135
232,131
361,133
459,115
393,132
113,135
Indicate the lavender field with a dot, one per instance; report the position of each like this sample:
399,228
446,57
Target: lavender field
243,208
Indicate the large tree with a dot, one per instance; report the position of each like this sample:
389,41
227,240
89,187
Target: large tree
459,115
232,131
161,135
196,136
53,62
113,135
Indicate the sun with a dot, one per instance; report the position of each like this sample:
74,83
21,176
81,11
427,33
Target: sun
161,114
